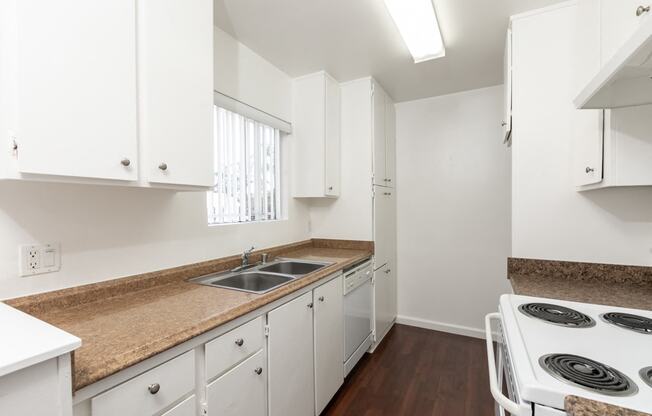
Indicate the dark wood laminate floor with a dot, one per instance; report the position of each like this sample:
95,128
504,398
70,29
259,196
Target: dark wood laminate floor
418,372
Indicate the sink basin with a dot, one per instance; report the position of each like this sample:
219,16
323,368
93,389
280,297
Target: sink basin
255,282
294,268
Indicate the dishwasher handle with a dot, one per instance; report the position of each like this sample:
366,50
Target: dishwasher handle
503,401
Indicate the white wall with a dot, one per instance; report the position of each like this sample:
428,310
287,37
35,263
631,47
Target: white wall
107,232
453,206
242,74
349,216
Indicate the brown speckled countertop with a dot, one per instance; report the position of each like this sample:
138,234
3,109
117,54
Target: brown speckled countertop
124,321
578,406
604,284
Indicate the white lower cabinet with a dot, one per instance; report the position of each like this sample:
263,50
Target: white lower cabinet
306,351
241,391
384,300
329,341
150,392
290,350
187,407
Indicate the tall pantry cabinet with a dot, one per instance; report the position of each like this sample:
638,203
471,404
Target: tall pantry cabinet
384,210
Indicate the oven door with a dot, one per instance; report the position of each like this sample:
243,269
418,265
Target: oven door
500,365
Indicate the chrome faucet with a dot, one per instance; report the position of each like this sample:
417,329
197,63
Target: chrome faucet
245,257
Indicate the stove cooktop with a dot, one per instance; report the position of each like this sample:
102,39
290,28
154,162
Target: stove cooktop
560,348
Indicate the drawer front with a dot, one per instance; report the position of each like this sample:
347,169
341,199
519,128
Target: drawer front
187,407
233,347
242,391
175,379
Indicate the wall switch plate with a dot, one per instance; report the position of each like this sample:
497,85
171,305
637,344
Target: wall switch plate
39,258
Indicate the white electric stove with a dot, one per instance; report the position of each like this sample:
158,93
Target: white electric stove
548,349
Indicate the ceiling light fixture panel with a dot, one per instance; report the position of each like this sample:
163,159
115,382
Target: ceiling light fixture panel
417,22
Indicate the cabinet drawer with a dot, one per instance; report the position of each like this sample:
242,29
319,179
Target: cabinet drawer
233,347
187,407
175,378
242,391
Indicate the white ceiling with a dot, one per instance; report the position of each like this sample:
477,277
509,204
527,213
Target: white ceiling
355,38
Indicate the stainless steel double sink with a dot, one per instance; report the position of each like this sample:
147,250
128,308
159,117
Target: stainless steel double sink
262,278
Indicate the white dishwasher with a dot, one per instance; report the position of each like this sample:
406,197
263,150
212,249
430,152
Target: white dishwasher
358,313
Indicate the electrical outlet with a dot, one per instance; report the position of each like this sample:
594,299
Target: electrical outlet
39,259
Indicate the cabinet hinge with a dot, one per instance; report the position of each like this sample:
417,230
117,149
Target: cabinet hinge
266,330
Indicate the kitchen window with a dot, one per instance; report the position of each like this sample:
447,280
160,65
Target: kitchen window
247,170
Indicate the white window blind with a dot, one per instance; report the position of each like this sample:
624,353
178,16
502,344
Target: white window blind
247,170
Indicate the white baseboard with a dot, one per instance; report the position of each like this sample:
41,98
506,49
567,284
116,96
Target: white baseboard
441,326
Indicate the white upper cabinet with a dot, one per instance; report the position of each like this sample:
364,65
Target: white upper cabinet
75,96
610,147
384,137
507,80
175,65
316,136
117,92
625,45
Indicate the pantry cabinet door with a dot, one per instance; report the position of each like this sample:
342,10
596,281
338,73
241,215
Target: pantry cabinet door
76,96
390,142
380,146
176,91
329,341
290,352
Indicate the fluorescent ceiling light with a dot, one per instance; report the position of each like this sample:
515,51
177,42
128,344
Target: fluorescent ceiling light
417,22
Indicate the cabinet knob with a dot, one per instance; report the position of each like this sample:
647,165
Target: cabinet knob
503,124
310,305
388,271
163,166
321,298
642,9
330,188
125,162
239,342
589,169
258,370
154,388
387,193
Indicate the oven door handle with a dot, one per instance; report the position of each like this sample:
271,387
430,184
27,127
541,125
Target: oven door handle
496,391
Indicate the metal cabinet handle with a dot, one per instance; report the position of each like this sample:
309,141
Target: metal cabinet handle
310,305
125,162
388,271
154,388
258,370
503,124
163,166
239,342
589,169
321,298
387,193
330,188
642,9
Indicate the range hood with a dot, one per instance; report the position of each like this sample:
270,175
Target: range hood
625,80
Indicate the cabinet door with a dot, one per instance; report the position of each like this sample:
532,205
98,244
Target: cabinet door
618,21
383,239
242,391
176,91
290,350
380,174
507,79
329,341
390,142
384,302
77,88
332,139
